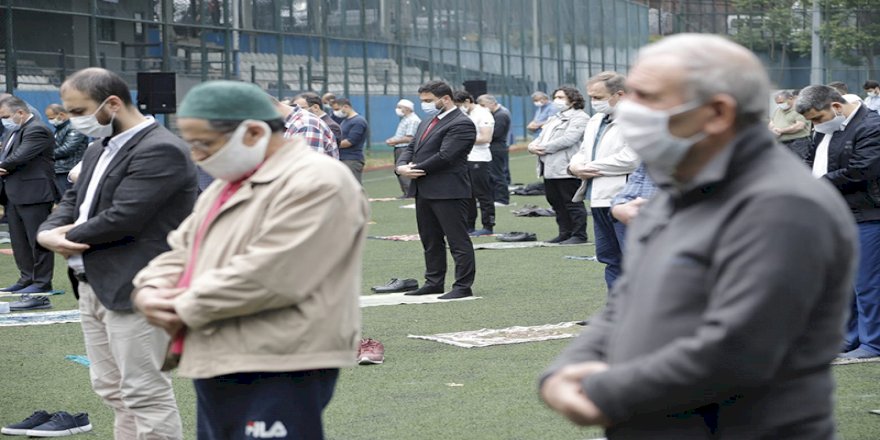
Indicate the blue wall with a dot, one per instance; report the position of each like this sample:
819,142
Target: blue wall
383,121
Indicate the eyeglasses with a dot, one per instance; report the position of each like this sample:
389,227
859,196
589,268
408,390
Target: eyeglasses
208,146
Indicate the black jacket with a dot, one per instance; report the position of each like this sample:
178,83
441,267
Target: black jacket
31,178
147,190
69,147
443,157
854,163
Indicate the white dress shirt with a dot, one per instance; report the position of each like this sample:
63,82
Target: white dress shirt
75,261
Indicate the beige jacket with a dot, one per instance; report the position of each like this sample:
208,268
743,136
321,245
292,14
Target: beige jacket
613,158
278,274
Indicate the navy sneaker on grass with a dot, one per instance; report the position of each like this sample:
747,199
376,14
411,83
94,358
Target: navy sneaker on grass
21,428
62,424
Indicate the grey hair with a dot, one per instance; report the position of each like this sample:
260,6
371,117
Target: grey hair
784,94
715,65
613,81
539,95
486,99
14,104
817,97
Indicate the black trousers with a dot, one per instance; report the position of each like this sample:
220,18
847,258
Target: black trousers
403,181
440,219
800,147
35,263
571,217
482,191
499,170
264,405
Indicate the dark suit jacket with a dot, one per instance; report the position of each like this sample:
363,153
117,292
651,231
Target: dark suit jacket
30,166
854,163
443,157
146,191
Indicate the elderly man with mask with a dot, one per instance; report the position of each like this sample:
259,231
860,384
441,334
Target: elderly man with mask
847,154
604,162
692,343
406,130
790,126
261,285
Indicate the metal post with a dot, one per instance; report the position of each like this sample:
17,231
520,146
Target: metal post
227,43
93,34
62,66
398,28
167,19
540,14
460,77
431,39
602,28
480,33
560,63
573,34
10,50
817,69
345,78
324,64
203,43
366,70
522,59
279,50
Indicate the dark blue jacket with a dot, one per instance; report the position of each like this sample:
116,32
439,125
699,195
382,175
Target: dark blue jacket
69,147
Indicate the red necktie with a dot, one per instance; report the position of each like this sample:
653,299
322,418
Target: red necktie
428,130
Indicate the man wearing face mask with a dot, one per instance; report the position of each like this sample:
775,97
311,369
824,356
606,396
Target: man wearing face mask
27,190
731,304
311,102
406,130
847,154
137,184
70,145
354,137
872,90
604,162
436,163
262,281
478,165
544,109
792,129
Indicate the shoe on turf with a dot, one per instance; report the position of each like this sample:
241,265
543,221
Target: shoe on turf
556,239
62,424
28,302
457,294
397,285
21,428
33,288
480,232
427,289
14,288
573,240
370,352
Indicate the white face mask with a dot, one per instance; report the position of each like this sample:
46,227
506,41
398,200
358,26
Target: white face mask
57,121
832,125
89,125
784,106
399,112
234,160
601,106
430,108
646,131
537,103
560,104
872,93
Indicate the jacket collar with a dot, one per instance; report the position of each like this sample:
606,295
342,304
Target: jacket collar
279,162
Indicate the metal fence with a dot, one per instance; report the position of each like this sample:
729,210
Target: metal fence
352,47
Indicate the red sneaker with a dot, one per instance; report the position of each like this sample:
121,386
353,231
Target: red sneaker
370,351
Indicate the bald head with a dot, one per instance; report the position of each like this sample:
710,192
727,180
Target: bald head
709,65
98,84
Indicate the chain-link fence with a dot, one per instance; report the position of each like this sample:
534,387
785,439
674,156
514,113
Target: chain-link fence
355,48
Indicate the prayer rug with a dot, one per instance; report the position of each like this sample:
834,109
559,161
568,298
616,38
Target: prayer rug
840,361
39,318
521,245
402,237
393,299
82,360
511,335
16,295
581,257
384,199
6,251
410,206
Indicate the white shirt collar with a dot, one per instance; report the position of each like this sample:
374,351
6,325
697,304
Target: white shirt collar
851,115
443,115
116,142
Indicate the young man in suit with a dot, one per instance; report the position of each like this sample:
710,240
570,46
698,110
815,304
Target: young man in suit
27,190
436,163
137,184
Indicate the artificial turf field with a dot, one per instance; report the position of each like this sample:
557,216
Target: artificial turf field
412,395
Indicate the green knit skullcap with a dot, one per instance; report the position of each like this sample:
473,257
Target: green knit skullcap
227,101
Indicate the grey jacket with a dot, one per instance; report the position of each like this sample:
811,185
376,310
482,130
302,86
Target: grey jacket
730,309
561,143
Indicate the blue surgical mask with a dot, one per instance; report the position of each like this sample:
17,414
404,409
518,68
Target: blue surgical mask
8,124
430,109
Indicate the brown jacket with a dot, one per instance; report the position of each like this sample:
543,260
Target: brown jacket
278,274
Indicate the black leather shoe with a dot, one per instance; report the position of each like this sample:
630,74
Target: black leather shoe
556,239
427,289
457,294
14,288
517,236
573,240
397,285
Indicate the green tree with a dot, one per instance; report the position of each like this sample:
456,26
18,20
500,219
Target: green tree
851,31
